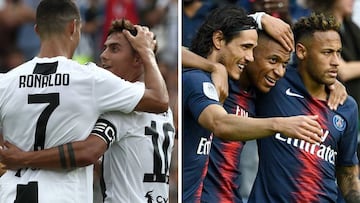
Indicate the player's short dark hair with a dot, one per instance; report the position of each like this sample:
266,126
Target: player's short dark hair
52,15
230,20
316,22
264,35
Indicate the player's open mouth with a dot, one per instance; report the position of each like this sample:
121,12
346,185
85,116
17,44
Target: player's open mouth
241,66
270,80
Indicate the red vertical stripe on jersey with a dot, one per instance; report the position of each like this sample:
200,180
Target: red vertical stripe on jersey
199,190
228,170
309,178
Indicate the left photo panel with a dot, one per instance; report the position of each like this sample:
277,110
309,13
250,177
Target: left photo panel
88,101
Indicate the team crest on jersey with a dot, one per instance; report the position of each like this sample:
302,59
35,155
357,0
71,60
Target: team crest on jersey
339,123
210,91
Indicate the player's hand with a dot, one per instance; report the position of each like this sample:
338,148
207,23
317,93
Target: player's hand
220,79
2,169
302,127
279,30
144,41
10,156
337,95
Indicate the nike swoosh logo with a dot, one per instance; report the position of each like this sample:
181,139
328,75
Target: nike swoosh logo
292,94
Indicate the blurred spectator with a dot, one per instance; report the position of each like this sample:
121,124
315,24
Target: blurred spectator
27,40
117,9
298,9
89,46
194,13
13,57
13,13
356,12
276,8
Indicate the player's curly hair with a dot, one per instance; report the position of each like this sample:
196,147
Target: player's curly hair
229,20
306,26
119,25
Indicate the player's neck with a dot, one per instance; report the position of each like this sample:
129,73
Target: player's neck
316,90
52,48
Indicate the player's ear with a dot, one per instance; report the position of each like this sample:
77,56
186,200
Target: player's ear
300,51
72,26
217,38
36,29
137,59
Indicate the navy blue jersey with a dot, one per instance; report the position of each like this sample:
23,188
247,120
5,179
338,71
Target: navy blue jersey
222,181
198,93
292,170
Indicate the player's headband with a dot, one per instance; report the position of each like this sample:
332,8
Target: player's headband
242,28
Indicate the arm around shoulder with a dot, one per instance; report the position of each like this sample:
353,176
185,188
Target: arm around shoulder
233,127
67,156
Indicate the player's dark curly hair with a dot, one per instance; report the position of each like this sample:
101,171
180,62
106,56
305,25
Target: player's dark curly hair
229,20
306,26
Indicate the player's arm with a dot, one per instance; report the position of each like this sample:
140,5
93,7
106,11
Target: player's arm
218,71
67,156
233,127
348,181
2,171
155,98
349,70
276,28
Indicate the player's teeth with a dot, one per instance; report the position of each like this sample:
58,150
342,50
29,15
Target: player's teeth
241,66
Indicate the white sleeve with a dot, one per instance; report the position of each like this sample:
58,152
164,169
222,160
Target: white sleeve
120,123
257,17
112,93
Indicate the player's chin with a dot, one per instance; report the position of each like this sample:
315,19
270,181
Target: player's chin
235,74
264,88
330,81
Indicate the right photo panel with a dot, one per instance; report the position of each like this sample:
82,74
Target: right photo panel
270,96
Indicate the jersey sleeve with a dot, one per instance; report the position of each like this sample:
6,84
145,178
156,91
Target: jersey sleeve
115,94
111,127
257,17
198,92
348,144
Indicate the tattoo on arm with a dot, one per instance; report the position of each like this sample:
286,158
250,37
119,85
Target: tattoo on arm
349,183
353,196
62,156
71,155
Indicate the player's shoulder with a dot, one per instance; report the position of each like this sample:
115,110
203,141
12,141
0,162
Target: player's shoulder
195,78
166,116
195,74
350,105
350,101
